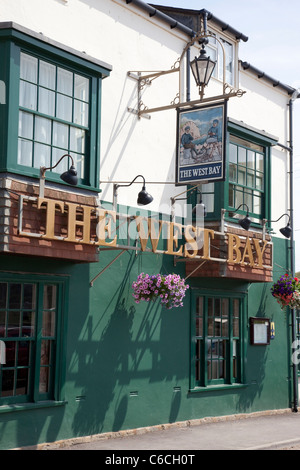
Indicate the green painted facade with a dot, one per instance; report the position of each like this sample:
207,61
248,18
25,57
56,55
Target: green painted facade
125,366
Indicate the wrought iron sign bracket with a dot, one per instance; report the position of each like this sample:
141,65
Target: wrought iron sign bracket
145,78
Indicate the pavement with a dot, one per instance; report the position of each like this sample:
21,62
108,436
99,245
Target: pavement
258,431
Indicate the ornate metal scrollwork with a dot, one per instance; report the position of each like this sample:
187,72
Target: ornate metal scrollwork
176,100
227,89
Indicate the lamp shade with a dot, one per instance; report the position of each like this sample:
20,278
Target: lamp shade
245,223
202,68
144,198
70,176
286,231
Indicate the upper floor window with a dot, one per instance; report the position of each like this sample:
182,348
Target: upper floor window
215,51
53,108
54,105
247,180
246,175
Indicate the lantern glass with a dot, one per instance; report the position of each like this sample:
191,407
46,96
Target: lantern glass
202,68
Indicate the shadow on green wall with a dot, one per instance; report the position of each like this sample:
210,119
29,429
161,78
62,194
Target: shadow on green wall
129,356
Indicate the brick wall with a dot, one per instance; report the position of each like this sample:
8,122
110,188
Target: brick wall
34,221
219,269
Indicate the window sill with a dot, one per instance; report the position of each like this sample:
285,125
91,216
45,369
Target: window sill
30,406
214,388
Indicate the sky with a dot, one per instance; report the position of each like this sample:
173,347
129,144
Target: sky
273,47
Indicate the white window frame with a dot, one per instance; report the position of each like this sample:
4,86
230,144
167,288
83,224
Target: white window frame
216,50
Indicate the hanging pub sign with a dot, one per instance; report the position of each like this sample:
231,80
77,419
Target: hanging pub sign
201,134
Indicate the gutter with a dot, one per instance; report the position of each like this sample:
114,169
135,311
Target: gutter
260,74
224,26
295,95
148,8
161,16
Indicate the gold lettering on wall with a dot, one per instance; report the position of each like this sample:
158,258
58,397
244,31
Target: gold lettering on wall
73,222
248,254
234,243
174,229
98,226
50,205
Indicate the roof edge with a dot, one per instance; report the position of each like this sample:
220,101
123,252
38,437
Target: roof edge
260,74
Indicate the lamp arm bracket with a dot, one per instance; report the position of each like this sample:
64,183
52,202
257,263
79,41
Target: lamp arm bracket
44,169
129,184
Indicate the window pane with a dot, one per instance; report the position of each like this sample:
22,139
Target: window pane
44,380
251,178
57,153
232,172
259,162
48,323
7,383
231,196
28,68
64,81
248,200
42,131
2,324
46,101
257,203
233,153
81,88
79,165
22,382
14,296
25,125
28,95
28,324
64,107
259,182
49,296
242,156
29,296
13,328
3,294
60,135
209,202
81,113
45,352
42,155
77,140
251,159
24,152
47,75
239,199
242,176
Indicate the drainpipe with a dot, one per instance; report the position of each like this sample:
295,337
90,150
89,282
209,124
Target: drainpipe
293,310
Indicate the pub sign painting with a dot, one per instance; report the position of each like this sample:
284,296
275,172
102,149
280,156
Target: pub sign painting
201,144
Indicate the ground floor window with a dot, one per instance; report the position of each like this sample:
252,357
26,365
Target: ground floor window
217,339
30,335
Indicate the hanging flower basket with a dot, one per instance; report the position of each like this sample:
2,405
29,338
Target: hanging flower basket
170,289
287,291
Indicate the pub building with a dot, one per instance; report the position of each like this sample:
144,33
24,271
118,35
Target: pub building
119,183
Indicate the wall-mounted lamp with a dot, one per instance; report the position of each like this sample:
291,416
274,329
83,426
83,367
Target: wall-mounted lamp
285,231
244,223
202,68
69,176
143,199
